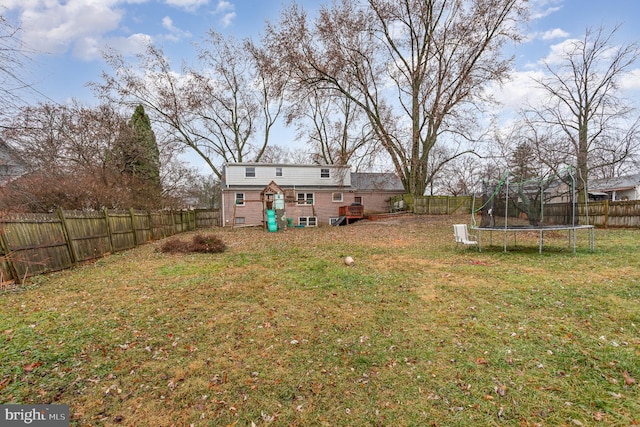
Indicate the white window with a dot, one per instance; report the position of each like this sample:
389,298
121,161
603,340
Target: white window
333,220
250,172
278,171
336,197
324,173
305,198
239,199
308,221
239,220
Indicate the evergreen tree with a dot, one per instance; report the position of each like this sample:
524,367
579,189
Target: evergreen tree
140,160
147,165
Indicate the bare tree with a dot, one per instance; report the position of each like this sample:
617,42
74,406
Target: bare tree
584,119
335,128
270,82
459,177
162,91
618,154
66,156
12,60
214,109
220,96
416,68
78,157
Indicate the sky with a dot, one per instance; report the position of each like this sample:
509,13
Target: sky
68,36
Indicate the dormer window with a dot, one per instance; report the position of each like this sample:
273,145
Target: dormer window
250,172
278,171
324,173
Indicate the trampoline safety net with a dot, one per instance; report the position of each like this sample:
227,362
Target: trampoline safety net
512,202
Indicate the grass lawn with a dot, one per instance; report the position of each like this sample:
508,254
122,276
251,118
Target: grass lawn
277,330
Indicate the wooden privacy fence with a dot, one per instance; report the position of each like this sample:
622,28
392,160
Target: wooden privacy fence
442,205
32,244
611,214
601,214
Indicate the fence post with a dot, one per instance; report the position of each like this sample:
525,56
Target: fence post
67,236
108,227
606,213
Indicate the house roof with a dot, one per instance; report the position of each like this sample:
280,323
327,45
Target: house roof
363,181
616,184
297,165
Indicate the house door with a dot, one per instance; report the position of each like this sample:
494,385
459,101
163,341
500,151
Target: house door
268,201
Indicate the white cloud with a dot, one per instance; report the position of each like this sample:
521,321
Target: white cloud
558,52
54,27
542,8
190,5
85,27
631,80
89,49
223,6
227,19
135,43
227,10
519,90
167,23
175,33
556,33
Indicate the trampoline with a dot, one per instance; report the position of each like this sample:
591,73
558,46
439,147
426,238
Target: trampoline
535,206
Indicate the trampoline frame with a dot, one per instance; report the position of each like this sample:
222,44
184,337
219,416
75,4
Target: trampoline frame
572,229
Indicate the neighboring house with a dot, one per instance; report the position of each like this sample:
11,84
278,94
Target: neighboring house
614,189
301,195
11,166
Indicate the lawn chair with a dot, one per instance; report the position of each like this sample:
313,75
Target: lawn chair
462,235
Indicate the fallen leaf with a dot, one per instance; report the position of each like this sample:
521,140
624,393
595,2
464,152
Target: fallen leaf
599,416
628,379
31,366
482,361
501,390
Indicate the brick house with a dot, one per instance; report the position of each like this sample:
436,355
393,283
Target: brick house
301,195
